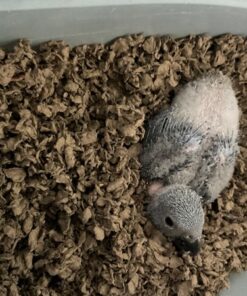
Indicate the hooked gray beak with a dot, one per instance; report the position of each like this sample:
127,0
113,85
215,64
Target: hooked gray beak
183,245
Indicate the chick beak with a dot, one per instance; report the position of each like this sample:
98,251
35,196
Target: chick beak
184,245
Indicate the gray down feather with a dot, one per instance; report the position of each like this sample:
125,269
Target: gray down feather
188,156
182,146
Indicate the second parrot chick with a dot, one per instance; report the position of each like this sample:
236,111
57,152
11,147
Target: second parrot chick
188,156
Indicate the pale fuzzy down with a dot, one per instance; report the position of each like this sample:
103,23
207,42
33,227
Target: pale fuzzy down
210,100
188,156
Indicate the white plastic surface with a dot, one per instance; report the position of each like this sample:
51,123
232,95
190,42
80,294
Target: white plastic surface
87,21
44,4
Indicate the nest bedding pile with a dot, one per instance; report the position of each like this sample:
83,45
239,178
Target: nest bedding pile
72,204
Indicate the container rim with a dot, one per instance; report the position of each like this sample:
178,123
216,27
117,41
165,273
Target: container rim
15,5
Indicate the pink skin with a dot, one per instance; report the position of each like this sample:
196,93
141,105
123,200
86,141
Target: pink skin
155,188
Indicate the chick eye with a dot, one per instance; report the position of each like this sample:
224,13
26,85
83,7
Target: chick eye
169,221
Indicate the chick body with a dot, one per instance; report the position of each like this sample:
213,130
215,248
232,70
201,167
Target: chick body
194,142
191,144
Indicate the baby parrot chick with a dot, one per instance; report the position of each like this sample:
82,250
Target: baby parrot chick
188,157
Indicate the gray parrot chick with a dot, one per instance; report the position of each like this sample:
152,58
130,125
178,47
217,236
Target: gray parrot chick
188,156
177,211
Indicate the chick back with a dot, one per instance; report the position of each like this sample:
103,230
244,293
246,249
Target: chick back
194,142
210,100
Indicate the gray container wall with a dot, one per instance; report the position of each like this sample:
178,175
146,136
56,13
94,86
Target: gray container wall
100,20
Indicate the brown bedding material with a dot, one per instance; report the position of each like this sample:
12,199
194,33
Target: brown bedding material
72,205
